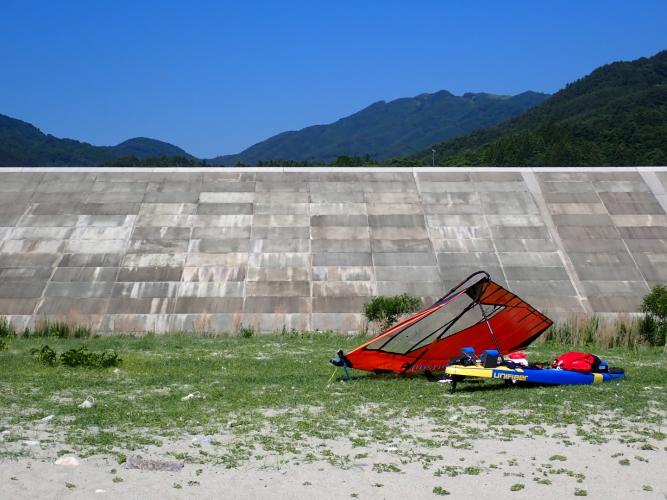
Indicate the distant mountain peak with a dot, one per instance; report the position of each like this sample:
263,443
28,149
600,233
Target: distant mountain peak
387,129
616,115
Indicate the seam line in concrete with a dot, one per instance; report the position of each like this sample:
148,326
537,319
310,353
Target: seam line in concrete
656,187
535,189
428,232
310,259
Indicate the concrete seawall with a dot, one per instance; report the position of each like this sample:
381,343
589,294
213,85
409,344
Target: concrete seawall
210,249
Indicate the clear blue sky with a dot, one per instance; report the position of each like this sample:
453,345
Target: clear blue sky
215,77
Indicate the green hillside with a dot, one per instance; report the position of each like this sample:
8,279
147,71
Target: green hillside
617,115
387,129
23,145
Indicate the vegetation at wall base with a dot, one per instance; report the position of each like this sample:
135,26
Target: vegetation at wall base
386,310
592,332
654,323
58,329
7,328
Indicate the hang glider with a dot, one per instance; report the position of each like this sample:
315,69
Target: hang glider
477,313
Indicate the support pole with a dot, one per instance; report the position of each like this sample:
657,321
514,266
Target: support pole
493,335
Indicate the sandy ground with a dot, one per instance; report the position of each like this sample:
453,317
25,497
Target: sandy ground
501,464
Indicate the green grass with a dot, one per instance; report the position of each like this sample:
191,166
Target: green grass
270,394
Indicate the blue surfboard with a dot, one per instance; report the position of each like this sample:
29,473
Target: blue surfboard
534,375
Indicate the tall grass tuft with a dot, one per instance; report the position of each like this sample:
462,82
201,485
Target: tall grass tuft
594,331
7,329
246,332
47,328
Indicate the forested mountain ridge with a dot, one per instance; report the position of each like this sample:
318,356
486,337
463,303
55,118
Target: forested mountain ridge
24,145
386,129
617,115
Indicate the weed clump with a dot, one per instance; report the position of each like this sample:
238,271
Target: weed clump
439,490
46,328
246,332
83,357
59,329
386,310
45,355
74,358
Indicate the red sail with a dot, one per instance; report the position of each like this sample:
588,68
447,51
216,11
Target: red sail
470,315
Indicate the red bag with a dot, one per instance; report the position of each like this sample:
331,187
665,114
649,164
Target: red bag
577,361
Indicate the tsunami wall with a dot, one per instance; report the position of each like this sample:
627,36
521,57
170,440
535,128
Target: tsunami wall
212,249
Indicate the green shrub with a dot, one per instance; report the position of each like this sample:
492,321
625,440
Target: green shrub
3,344
83,357
246,332
77,357
45,355
6,328
386,310
654,324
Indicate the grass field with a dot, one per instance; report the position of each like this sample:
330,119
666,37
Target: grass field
247,384
273,397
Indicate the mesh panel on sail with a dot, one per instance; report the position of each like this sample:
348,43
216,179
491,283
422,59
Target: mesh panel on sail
431,327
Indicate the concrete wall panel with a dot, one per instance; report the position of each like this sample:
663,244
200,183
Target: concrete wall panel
207,250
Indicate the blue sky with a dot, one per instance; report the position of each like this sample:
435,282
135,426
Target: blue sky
215,77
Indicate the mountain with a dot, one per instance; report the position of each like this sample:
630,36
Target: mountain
617,115
24,145
143,147
387,129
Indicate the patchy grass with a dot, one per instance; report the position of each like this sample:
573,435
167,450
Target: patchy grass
270,397
439,490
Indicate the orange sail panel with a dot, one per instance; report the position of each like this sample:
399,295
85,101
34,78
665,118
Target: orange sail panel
477,313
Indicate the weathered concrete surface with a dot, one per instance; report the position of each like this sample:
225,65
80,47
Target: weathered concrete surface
211,249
